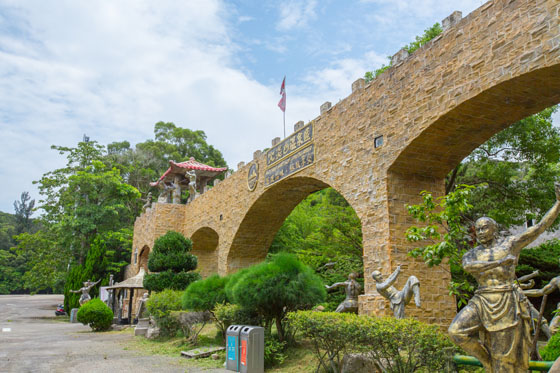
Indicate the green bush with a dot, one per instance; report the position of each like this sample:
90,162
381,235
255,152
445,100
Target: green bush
551,351
405,345
203,295
169,280
272,289
160,306
233,314
171,258
274,352
95,314
331,334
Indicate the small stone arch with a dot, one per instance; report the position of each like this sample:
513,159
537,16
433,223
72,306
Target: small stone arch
143,258
205,247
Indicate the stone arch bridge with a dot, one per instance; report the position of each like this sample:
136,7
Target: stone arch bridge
380,146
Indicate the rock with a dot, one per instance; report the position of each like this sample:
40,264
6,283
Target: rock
319,309
358,363
152,333
215,356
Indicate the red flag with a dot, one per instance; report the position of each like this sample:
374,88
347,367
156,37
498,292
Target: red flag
282,102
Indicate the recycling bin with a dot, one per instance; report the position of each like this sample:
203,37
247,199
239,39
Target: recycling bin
251,357
232,347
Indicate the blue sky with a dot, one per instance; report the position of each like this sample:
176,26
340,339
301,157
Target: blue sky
111,69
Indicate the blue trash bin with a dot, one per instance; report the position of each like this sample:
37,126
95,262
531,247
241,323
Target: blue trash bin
232,347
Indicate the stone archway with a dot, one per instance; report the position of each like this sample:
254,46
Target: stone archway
265,217
385,143
143,258
205,242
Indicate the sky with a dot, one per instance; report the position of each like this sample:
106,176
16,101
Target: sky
112,69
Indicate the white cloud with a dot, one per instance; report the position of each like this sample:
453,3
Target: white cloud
112,70
295,13
336,79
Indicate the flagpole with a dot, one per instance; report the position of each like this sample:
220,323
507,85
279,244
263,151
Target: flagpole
284,123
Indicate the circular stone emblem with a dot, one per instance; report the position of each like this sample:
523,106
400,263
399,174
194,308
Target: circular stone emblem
253,177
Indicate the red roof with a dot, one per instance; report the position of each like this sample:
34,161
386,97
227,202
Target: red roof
191,164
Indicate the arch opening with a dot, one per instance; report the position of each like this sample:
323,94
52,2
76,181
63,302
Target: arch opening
453,136
143,258
266,216
205,247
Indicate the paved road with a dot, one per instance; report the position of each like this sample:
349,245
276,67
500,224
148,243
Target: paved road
32,340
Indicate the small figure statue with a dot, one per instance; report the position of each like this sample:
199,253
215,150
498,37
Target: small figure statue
165,194
352,288
148,203
110,298
141,306
176,192
525,283
498,310
549,288
84,298
191,175
398,299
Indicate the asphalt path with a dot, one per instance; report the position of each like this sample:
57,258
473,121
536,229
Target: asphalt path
33,340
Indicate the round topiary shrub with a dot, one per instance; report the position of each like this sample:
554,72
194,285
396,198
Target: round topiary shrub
96,314
552,349
172,262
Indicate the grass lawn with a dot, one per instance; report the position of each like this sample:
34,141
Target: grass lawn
299,359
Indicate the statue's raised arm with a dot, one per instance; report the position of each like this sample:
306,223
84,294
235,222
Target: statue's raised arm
520,241
390,280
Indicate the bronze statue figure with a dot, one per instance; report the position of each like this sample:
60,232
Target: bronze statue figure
498,310
352,288
398,299
84,298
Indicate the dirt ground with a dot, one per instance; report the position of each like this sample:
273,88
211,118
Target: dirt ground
33,340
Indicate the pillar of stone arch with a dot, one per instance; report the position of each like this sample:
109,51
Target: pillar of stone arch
386,247
205,243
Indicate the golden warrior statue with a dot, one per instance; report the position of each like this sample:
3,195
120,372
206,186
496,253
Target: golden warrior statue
498,309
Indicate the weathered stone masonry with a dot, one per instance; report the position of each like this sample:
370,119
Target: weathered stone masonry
486,71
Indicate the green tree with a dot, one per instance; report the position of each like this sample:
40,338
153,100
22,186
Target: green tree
326,234
173,263
84,199
277,287
516,169
444,234
150,159
23,211
47,262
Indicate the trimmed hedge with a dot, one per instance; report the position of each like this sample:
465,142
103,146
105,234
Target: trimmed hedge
160,306
405,345
274,288
203,295
172,261
169,280
96,314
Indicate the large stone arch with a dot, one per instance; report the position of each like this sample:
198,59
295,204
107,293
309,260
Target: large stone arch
386,142
205,244
265,217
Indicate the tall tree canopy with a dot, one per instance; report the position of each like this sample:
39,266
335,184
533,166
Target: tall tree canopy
149,159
